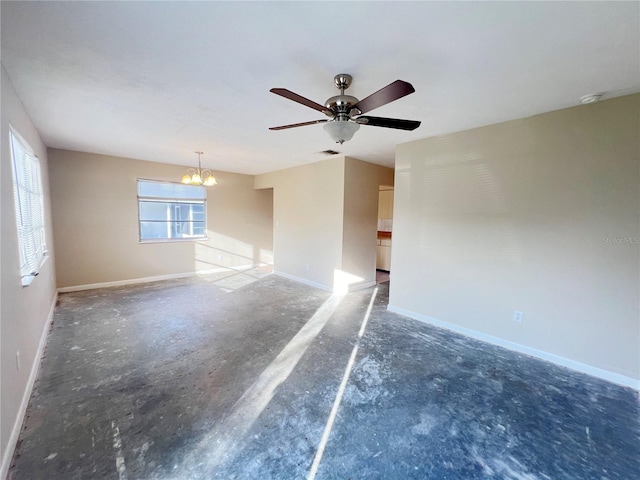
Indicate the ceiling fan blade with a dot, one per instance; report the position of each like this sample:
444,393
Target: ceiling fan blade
388,122
283,92
283,127
388,94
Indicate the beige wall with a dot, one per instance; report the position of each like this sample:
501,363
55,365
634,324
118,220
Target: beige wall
307,212
539,215
24,311
95,218
325,220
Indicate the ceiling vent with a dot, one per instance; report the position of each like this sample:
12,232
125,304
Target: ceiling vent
329,152
591,98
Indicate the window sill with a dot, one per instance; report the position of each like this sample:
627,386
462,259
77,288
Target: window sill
28,279
173,240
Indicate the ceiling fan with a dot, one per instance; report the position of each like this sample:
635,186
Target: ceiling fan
345,111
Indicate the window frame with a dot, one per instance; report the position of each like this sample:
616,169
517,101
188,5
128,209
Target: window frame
170,200
28,201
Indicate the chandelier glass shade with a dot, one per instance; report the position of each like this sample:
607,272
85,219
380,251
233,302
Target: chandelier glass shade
198,176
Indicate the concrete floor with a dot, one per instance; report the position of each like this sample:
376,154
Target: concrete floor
252,376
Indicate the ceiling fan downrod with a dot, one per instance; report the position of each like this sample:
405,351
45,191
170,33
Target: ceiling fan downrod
341,106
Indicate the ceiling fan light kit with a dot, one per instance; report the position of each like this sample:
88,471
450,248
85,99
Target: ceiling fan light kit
345,111
341,131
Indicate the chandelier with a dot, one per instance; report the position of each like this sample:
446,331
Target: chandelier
198,176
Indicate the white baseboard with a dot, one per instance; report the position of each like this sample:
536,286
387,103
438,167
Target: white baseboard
516,347
352,288
133,281
35,368
362,286
304,280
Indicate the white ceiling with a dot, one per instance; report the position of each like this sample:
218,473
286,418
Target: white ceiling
159,80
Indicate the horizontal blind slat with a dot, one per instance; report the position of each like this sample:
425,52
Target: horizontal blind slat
28,203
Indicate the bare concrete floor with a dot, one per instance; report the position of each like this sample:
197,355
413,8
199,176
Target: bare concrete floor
252,376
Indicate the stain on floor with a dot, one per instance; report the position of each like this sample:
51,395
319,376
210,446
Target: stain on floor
235,375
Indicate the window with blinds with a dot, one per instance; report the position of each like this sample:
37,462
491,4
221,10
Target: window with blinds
29,208
171,211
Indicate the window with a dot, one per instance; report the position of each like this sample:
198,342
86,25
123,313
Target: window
28,202
171,211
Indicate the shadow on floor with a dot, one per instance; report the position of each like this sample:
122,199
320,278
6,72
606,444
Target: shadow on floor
200,378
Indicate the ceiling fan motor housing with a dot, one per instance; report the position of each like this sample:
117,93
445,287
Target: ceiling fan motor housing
341,105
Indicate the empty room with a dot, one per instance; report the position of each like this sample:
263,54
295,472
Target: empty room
320,240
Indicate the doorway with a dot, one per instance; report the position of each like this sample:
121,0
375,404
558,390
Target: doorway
385,233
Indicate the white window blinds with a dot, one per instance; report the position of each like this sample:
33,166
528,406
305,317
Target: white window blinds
28,202
171,211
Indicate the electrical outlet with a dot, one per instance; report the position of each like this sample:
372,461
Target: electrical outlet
517,316
306,267
18,360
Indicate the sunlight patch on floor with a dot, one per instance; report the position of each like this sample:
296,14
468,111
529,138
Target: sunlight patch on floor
222,443
343,384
